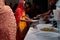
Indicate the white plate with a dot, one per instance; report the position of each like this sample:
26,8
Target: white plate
39,26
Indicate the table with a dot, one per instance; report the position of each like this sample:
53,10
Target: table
30,35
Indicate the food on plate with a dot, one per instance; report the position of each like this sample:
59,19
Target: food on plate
47,29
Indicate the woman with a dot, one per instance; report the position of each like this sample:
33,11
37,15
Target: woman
7,22
18,11
21,20
20,14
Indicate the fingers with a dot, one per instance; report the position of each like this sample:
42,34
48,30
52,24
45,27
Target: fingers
37,17
46,17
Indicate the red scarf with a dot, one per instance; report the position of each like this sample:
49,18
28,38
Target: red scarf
19,11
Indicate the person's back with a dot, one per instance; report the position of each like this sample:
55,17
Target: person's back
7,23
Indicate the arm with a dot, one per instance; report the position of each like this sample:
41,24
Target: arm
44,14
24,17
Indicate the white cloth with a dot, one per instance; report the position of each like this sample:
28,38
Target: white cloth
31,35
57,13
58,3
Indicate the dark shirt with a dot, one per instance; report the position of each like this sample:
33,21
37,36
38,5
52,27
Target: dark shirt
14,8
33,12
40,6
51,7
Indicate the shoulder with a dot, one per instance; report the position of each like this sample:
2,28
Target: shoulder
18,10
7,8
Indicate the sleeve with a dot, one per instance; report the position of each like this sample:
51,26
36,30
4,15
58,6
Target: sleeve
18,11
49,7
18,14
10,19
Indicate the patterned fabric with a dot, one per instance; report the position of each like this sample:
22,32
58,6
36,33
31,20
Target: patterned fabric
20,14
7,24
19,11
22,24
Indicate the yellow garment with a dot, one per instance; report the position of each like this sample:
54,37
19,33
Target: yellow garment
22,24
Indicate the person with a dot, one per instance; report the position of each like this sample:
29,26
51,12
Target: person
37,9
21,20
7,22
58,4
46,15
57,11
19,11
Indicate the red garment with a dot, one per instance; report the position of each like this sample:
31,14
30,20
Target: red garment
19,11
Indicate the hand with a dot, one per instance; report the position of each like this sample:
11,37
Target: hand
34,27
28,20
37,17
46,17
